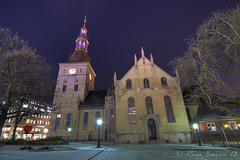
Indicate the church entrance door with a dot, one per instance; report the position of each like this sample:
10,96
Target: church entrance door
152,129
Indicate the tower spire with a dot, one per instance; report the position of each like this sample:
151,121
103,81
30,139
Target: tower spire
142,51
81,48
85,21
135,59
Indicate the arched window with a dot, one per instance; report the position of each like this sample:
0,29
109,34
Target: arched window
111,115
164,82
149,105
56,128
85,121
79,44
146,83
97,117
129,84
169,109
64,89
68,121
131,110
83,44
76,85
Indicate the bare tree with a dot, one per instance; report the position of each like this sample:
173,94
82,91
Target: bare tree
212,58
23,75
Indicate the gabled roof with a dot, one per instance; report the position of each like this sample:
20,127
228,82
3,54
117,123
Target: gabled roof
212,116
94,98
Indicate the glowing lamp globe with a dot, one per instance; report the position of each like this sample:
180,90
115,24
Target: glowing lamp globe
195,126
69,129
99,122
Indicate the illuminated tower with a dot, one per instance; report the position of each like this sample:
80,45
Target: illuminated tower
80,53
75,79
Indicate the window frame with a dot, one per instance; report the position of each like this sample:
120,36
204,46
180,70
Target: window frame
169,109
235,127
164,82
149,105
85,120
211,127
57,122
128,84
131,111
146,83
68,122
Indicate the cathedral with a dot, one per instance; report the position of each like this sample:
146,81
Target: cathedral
144,106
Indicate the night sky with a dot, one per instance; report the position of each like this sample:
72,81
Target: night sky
117,29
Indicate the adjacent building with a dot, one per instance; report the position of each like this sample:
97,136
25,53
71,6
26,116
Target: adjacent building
38,117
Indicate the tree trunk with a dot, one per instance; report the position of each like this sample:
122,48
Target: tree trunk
3,118
15,128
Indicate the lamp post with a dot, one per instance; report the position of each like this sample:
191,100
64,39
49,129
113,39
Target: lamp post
69,130
195,126
99,122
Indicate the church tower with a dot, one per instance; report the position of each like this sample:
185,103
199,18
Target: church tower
75,79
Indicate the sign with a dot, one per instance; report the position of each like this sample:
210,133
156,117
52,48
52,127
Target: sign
28,129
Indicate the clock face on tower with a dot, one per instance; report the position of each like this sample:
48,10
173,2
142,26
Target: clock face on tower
72,70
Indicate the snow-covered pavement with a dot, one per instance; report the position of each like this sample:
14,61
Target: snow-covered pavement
88,151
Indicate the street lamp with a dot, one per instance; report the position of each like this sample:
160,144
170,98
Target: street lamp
99,122
69,130
196,127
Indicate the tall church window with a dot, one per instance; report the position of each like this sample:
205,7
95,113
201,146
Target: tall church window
131,110
146,83
68,121
169,109
56,128
164,82
97,117
149,105
79,44
85,121
129,84
111,115
83,44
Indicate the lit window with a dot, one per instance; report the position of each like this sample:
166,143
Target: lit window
34,121
84,44
79,44
211,126
232,125
25,106
131,110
